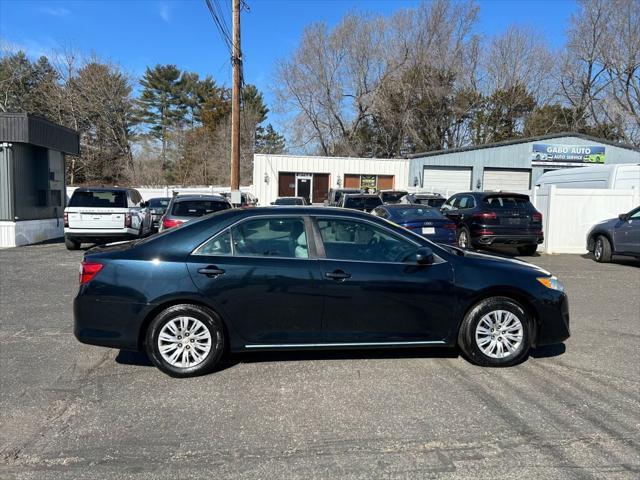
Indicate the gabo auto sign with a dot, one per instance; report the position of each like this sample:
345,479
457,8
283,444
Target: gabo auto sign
546,152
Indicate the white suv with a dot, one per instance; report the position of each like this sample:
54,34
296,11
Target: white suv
100,215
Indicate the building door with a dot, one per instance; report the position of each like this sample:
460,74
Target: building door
351,180
517,180
320,187
447,180
286,184
385,182
303,186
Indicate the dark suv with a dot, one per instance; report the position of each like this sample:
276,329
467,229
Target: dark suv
491,218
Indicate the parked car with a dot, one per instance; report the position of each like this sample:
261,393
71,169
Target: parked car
617,236
391,196
246,199
183,208
425,221
157,208
290,201
434,200
360,201
493,218
309,278
105,214
335,195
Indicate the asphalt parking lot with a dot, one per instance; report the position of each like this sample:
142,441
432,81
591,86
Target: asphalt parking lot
76,411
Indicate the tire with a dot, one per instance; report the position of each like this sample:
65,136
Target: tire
201,321
602,249
528,249
464,238
71,244
473,341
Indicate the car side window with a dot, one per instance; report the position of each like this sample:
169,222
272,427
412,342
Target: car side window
450,204
635,215
271,237
218,245
466,201
353,240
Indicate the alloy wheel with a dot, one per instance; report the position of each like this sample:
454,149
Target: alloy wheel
597,252
462,239
499,334
184,342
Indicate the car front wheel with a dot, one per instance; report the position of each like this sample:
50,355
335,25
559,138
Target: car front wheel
185,340
496,333
602,250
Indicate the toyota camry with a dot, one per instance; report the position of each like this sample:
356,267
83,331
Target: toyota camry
296,278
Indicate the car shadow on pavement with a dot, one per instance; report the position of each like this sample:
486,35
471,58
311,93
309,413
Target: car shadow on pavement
548,351
618,260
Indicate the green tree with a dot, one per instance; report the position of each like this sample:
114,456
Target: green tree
161,104
268,140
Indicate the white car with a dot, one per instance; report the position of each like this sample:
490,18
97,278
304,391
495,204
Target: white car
105,214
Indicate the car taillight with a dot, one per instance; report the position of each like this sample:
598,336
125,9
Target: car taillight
127,220
486,215
169,223
88,270
66,220
484,232
450,226
537,217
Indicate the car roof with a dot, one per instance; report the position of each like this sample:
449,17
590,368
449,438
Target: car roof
181,198
303,210
103,189
287,197
492,193
365,195
404,206
426,194
393,190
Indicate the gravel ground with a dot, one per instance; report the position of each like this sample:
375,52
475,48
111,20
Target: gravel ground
76,411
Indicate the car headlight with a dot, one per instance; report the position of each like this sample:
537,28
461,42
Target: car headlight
551,282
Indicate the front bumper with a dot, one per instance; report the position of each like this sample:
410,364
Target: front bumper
553,318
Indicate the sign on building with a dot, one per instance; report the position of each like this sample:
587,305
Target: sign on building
548,152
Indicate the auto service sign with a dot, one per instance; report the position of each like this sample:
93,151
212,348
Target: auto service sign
547,152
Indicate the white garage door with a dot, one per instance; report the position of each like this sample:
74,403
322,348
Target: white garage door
511,180
447,180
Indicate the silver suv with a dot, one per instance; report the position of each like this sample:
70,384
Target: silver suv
104,214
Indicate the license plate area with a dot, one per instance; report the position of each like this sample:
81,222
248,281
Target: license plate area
516,221
428,230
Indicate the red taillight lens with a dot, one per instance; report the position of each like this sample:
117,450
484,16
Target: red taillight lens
484,232
536,217
450,226
168,223
486,215
127,220
88,270
66,220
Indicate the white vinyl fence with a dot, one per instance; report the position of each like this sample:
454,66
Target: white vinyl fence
152,192
569,213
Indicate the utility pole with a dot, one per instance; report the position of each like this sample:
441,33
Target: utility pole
236,61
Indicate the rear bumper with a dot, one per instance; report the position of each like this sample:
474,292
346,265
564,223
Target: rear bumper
101,235
508,239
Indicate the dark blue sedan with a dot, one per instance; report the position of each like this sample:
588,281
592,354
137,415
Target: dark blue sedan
286,278
425,221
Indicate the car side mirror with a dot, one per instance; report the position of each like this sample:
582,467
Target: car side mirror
623,217
424,256
144,204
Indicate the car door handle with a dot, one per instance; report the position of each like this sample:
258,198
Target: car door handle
211,271
338,275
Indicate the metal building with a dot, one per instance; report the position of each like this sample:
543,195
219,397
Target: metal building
312,177
512,165
32,178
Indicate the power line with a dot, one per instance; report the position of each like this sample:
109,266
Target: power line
223,29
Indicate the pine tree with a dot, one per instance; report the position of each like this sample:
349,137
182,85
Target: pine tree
269,141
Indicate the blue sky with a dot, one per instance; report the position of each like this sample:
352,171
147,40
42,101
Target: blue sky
137,33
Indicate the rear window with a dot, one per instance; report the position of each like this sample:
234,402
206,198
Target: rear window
418,213
197,208
509,202
431,202
99,199
158,202
392,196
366,203
288,201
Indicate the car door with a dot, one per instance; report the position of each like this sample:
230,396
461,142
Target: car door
375,291
264,279
627,234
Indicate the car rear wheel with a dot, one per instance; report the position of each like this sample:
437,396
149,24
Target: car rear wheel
527,249
71,244
185,340
464,238
602,249
495,333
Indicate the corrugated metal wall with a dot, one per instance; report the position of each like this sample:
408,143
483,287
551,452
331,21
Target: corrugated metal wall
6,186
24,128
271,165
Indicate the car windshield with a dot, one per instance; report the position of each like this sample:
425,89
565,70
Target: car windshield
507,202
416,213
392,196
288,201
99,199
159,202
197,208
367,203
431,202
